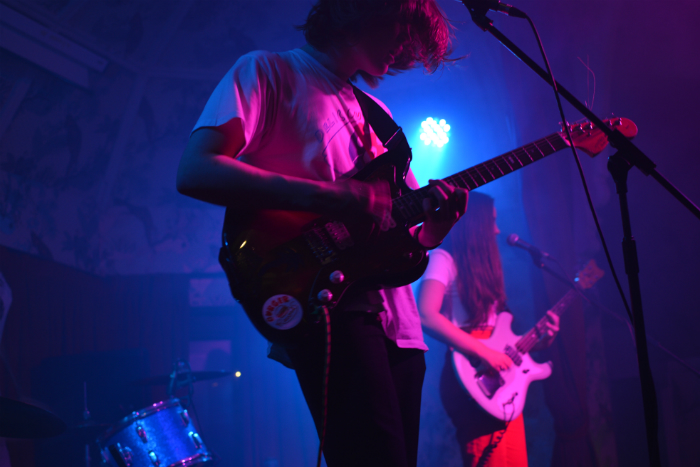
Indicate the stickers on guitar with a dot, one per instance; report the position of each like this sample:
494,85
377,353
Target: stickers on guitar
282,312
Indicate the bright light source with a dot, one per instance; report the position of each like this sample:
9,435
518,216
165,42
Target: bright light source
434,131
238,374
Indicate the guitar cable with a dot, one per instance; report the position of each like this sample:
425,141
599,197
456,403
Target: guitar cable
494,441
580,170
650,397
324,390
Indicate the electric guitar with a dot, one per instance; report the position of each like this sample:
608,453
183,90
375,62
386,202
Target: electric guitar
288,268
502,393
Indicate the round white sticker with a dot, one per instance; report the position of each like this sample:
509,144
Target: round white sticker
282,311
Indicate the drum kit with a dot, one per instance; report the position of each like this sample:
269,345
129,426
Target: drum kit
160,435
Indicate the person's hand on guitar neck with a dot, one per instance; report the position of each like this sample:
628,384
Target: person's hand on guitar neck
548,332
443,207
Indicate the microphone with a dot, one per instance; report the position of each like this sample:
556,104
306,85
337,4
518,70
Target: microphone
514,240
494,5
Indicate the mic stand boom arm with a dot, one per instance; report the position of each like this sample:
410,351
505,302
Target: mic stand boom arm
537,259
630,152
628,155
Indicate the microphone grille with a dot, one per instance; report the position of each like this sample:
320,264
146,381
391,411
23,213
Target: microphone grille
512,239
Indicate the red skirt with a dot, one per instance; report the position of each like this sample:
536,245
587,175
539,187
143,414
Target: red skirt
478,433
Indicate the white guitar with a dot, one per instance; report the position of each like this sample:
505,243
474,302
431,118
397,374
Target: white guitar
502,393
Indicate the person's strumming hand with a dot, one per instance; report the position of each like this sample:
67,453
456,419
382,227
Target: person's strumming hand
443,207
496,360
354,197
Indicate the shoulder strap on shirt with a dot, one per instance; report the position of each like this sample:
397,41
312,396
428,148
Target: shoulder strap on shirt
382,123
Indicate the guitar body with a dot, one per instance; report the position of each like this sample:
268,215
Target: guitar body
502,394
284,267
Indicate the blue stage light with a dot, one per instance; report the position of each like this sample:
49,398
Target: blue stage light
435,132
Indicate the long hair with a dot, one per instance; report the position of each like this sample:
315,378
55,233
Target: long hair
339,23
472,244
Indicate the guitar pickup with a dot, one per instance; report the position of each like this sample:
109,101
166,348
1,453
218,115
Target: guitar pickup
489,382
339,234
320,246
514,355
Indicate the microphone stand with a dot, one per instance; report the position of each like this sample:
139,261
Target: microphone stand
628,155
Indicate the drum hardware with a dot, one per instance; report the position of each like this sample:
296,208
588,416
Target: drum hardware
88,432
88,422
122,456
161,435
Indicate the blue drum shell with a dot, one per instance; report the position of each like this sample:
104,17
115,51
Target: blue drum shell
163,430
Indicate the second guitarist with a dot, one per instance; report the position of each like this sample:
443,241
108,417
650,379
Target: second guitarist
463,289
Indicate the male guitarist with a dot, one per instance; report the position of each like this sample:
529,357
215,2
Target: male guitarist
284,131
461,293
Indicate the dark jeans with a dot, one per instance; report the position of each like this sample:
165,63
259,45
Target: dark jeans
374,393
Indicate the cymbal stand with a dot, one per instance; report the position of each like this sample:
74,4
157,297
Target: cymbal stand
86,418
180,377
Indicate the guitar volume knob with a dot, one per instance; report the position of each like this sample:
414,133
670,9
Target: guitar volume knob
325,296
337,277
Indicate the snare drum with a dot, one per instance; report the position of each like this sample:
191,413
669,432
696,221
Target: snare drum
161,435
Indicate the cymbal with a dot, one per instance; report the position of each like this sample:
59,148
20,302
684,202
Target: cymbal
91,427
182,377
89,430
22,420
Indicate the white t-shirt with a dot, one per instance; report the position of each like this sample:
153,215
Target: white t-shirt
443,269
302,120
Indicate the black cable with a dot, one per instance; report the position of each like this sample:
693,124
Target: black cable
647,380
580,170
324,391
493,444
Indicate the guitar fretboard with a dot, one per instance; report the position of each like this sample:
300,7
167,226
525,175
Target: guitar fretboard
530,338
409,207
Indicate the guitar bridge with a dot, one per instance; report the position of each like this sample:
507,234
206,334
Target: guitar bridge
339,234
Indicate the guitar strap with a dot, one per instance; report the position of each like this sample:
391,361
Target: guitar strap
383,125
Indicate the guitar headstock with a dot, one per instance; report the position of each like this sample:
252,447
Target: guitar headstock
589,275
591,139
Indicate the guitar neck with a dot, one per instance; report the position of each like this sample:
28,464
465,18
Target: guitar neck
530,338
410,206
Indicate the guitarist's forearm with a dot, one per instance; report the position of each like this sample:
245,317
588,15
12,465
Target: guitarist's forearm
437,326
225,181
221,180
442,329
